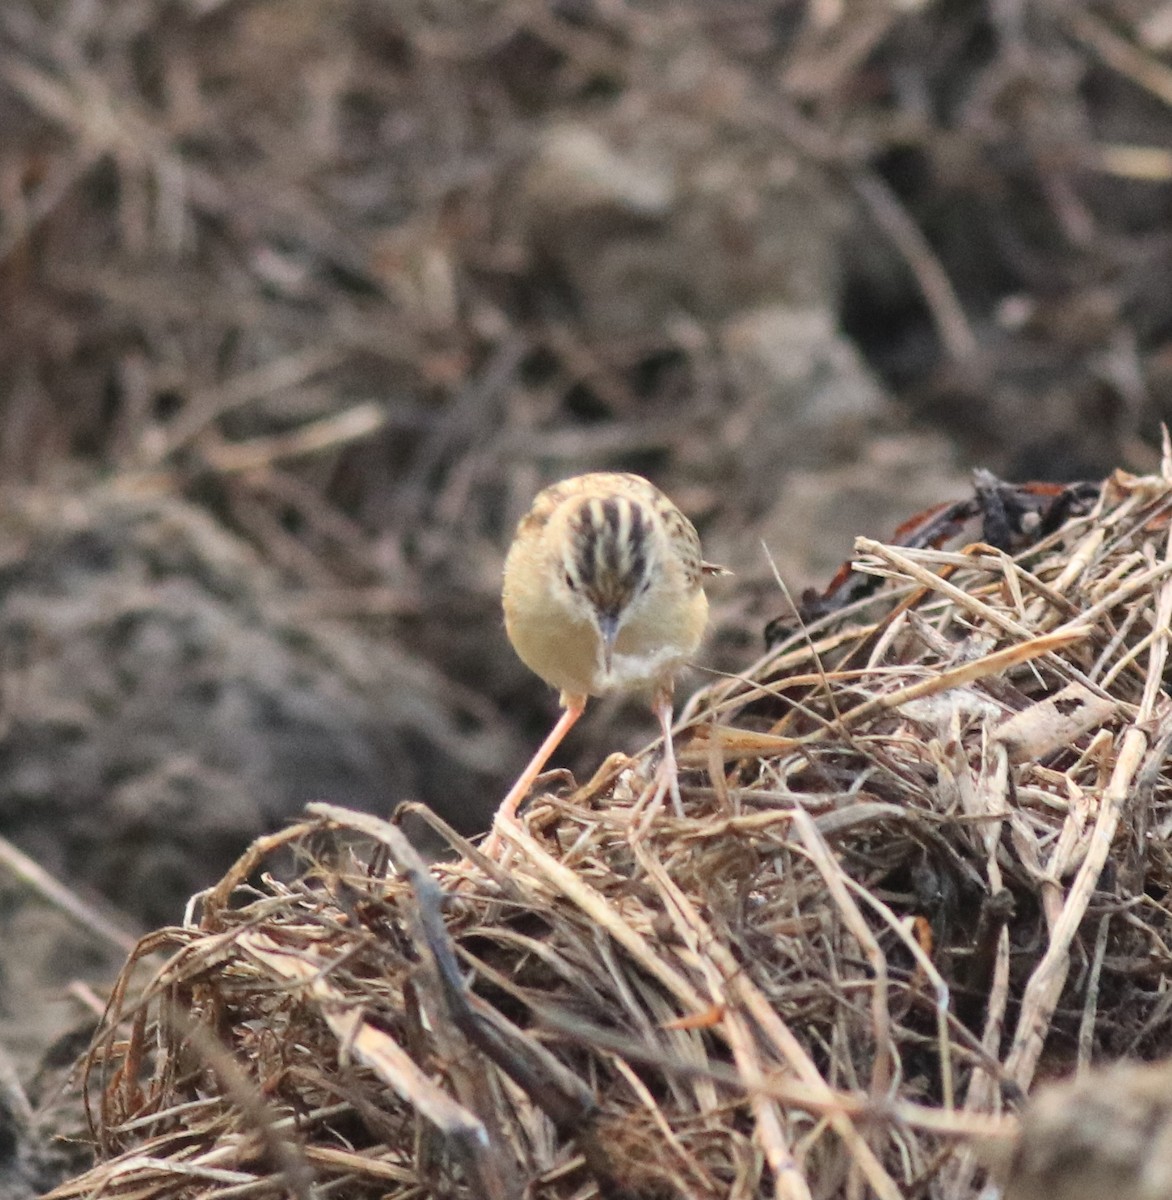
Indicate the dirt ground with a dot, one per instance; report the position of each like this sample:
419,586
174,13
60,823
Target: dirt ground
304,299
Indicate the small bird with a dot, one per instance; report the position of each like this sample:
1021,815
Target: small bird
603,592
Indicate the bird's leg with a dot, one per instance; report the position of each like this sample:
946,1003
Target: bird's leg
663,710
574,707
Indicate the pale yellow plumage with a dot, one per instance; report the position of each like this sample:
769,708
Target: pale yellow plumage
603,591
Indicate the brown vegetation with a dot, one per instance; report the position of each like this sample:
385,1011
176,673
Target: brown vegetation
303,300
923,862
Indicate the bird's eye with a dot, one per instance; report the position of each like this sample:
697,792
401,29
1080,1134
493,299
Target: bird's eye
570,582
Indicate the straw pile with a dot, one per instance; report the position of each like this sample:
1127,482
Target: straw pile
924,863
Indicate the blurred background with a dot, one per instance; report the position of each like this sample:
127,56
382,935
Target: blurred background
301,301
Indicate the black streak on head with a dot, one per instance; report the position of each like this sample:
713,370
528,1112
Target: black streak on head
639,534
587,535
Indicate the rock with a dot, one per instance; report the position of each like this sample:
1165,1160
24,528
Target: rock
644,221
1105,1134
164,706
809,399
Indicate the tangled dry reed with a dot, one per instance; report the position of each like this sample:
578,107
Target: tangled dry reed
925,863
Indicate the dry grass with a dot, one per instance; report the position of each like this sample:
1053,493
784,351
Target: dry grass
924,862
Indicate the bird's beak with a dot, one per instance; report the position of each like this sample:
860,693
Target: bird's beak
608,627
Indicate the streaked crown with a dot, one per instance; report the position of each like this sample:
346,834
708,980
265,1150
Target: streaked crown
610,554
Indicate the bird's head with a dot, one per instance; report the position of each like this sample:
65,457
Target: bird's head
609,556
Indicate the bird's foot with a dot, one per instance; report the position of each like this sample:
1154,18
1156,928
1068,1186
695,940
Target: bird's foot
495,847
668,768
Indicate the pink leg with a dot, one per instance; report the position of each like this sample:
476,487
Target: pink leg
575,705
662,707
